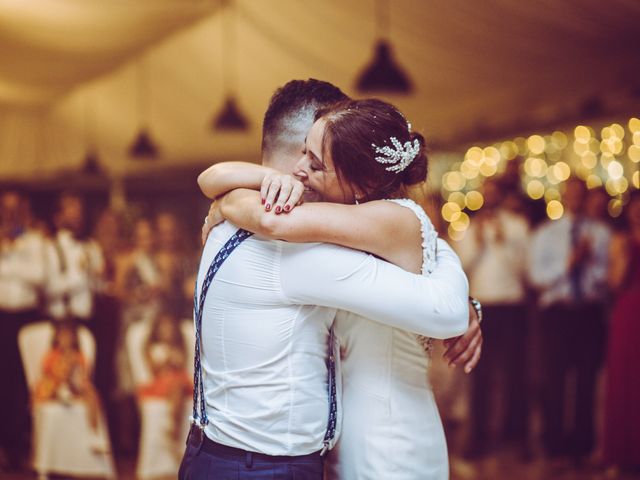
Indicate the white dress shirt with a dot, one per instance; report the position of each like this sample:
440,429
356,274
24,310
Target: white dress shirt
550,250
266,322
74,272
22,272
496,267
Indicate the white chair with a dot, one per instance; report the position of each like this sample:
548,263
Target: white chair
63,440
158,454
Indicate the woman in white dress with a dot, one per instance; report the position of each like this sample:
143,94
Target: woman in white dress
359,152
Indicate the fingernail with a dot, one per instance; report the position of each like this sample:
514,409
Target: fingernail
278,209
467,370
262,200
267,207
287,208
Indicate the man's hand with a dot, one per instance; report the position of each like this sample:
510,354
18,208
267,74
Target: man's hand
213,218
467,348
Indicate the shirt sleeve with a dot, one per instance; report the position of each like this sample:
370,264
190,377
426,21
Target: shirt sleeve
337,277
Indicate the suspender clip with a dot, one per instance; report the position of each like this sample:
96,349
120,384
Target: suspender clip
325,448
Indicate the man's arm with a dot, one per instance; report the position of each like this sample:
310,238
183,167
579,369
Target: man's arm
332,276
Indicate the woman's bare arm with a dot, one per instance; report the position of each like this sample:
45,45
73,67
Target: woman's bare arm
223,177
385,229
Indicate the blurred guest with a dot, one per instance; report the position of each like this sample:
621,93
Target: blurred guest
569,265
595,206
106,325
77,263
493,254
139,284
622,418
177,263
65,373
139,280
22,277
166,356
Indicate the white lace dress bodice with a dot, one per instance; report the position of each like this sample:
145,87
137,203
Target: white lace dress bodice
391,427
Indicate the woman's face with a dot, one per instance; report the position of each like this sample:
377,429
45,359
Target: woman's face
316,170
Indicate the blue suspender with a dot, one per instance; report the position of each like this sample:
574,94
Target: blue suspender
333,402
198,388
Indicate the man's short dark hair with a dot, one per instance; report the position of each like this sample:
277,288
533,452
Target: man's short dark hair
297,97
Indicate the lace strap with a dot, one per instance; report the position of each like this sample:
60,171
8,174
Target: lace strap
429,245
429,234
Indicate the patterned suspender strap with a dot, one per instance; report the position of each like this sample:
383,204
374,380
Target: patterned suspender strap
333,402
198,304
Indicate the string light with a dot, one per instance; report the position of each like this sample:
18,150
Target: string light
555,210
599,158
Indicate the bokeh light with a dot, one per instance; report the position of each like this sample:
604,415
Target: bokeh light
535,189
474,200
614,207
555,210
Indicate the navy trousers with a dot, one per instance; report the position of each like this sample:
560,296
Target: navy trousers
212,461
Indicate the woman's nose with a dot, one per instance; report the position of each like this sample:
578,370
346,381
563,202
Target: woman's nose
300,171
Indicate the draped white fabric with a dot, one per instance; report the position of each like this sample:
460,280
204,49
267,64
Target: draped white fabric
70,69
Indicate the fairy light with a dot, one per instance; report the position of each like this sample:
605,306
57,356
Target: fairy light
603,157
555,210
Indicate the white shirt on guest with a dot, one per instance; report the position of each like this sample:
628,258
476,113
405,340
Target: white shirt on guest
266,322
74,272
496,267
22,271
550,250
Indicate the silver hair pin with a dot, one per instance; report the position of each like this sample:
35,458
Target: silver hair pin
399,157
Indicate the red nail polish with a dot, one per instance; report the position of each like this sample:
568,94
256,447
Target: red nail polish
278,209
262,200
287,208
267,207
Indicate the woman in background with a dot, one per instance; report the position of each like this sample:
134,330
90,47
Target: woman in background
622,416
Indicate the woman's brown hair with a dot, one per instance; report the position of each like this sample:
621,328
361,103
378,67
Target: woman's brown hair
353,130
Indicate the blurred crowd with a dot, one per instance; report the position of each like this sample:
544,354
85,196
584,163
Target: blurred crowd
557,378
561,301
106,274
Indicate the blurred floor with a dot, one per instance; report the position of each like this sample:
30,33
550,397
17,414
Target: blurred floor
503,466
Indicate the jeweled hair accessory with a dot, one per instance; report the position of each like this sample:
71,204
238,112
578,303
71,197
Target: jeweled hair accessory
399,157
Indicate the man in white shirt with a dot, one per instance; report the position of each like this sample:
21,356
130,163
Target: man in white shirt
76,263
22,277
267,317
569,264
494,255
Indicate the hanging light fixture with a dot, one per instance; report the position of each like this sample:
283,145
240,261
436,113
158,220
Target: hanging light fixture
383,73
143,147
230,118
91,163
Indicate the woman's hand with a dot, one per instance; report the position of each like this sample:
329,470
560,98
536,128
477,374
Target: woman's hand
281,192
213,218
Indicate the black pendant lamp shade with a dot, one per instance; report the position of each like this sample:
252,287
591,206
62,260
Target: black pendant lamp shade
230,118
384,74
143,147
91,164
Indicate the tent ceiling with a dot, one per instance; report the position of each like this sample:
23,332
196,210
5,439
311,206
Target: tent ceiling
68,75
